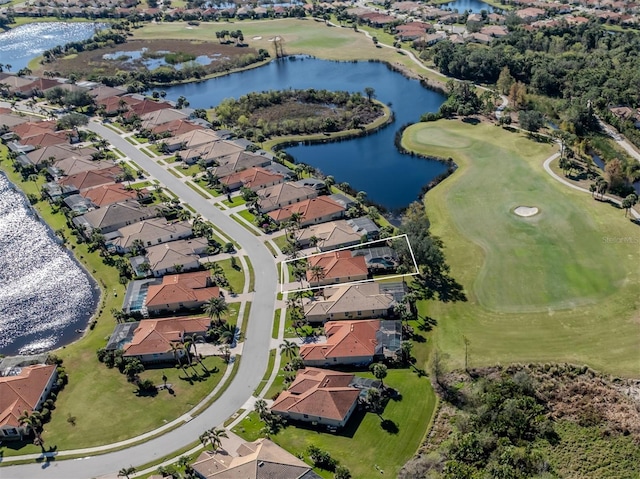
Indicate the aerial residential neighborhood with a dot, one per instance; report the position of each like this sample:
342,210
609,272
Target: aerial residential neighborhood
319,239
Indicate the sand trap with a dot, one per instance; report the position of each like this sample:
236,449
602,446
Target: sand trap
526,211
257,38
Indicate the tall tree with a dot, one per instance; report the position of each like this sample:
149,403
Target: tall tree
379,371
215,308
289,349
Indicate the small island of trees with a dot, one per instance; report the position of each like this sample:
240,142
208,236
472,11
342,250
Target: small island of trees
293,112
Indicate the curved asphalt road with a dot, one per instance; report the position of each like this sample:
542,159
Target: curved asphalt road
252,365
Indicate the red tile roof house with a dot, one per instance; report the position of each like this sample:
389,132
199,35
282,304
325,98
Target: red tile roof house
253,178
93,178
181,291
152,339
24,391
318,396
348,342
338,267
312,211
108,194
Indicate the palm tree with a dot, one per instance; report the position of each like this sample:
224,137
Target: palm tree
379,371
227,333
126,471
33,422
193,339
175,349
215,308
260,407
289,349
313,241
370,92
214,437
317,273
329,181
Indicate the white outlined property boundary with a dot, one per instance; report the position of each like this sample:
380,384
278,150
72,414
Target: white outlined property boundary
352,247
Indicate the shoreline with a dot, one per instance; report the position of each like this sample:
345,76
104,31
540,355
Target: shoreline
97,293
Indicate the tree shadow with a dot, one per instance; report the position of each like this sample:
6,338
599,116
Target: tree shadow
471,120
426,323
389,426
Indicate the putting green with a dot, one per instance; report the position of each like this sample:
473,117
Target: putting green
536,285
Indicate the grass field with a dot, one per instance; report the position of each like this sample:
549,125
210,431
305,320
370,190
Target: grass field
299,35
559,286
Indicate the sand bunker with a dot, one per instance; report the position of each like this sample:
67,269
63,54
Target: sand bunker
526,211
257,38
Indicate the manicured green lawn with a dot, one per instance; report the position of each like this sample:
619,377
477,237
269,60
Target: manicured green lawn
281,241
250,217
234,276
364,443
547,288
235,201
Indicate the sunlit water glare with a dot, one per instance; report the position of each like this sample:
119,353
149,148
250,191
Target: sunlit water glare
45,296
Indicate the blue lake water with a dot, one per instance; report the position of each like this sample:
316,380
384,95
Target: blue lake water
473,6
371,163
44,293
21,44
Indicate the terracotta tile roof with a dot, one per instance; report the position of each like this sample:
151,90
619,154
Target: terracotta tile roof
40,84
47,139
93,178
155,336
181,288
113,193
320,393
26,130
21,392
176,127
255,177
146,106
309,209
112,103
344,339
338,264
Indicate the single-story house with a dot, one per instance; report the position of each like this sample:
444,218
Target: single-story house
284,194
180,291
253,460
115,193
92,178
338,234
337,267
23,389
79,204
254,178
152,339
379,258
354,301
318,396
115,216
238,161
150,232
171,257
312,211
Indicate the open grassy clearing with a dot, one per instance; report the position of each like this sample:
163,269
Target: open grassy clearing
552,287
364,443
299,35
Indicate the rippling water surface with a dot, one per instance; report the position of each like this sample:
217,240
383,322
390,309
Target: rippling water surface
44,294
19,45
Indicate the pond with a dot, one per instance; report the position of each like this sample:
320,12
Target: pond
45,296
371,163
20,45
473,6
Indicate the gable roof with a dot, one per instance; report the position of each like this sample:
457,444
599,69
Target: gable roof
309,209
344,339
254,177
92,178
175,127
331,234
338,264
160,117
261,459
123,213
181,288
167,255
155,336
113,193
21,392
318,392
349,298
47,139
283,193
149,231
58,153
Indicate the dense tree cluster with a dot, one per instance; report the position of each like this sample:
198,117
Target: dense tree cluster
580,65
285,112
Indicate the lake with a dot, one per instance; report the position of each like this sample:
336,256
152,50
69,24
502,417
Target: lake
20,45
44,293
473,6
371,163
